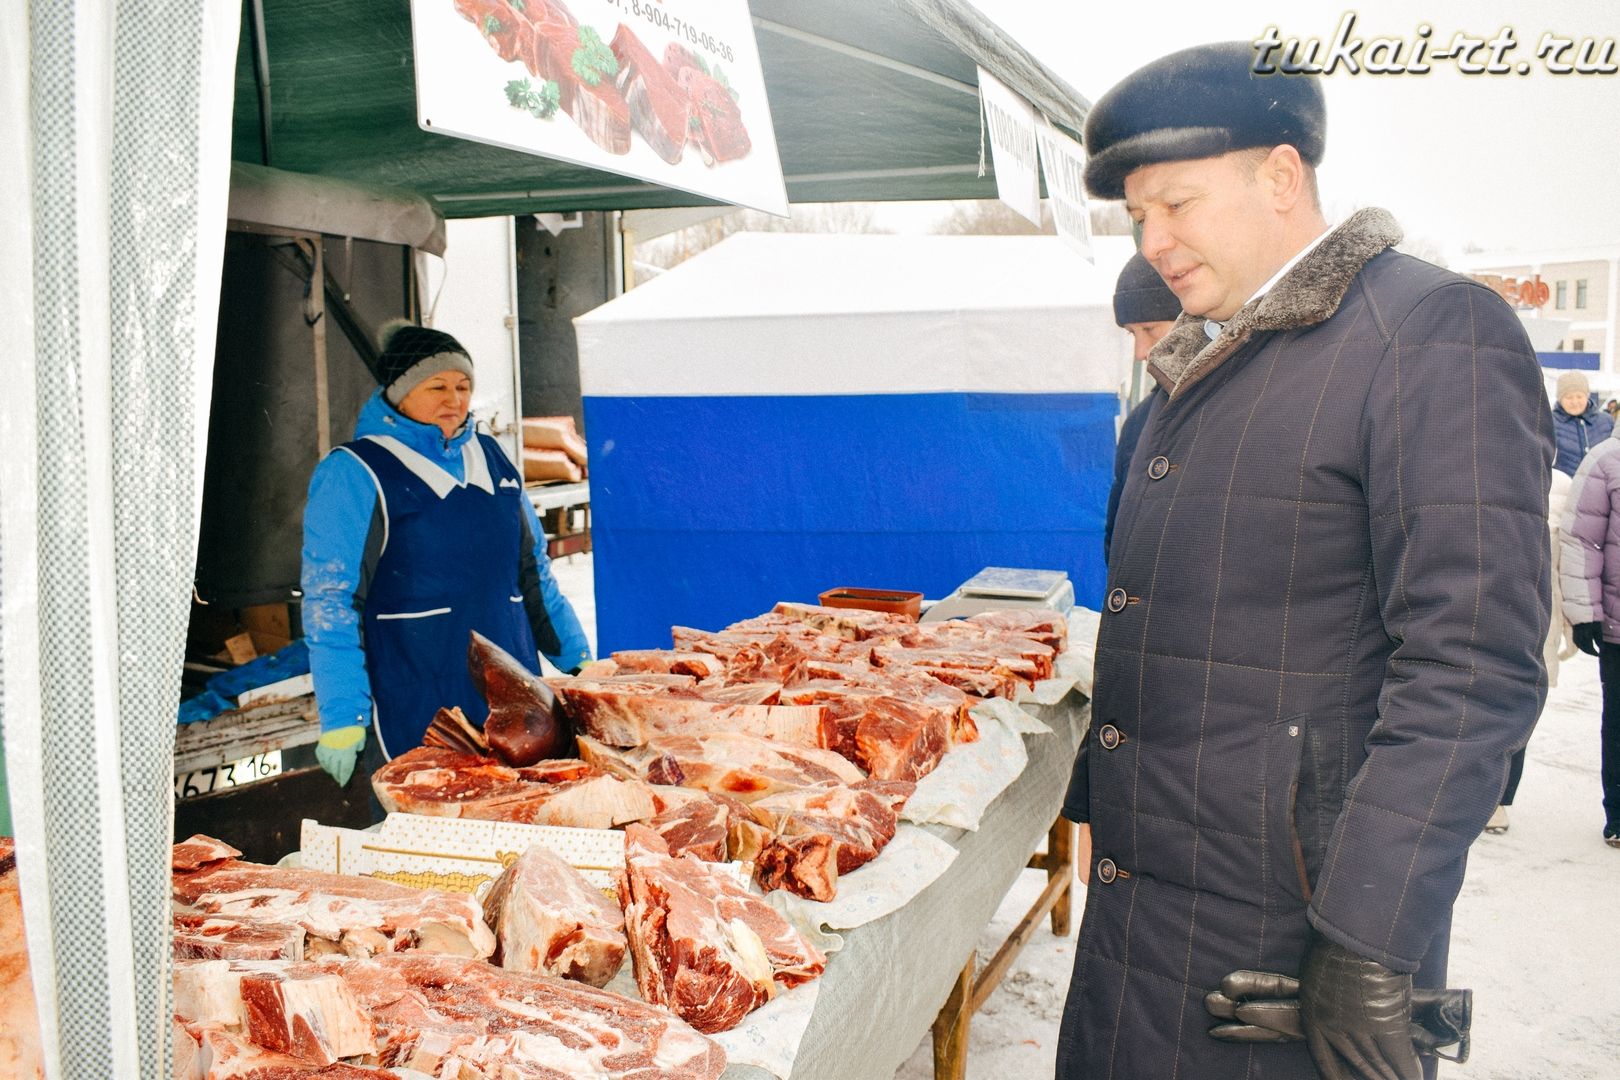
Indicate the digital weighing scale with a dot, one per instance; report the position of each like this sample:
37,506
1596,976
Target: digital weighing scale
996,588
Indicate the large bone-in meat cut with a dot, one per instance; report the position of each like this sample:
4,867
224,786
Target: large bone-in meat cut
356,916
523,726
444,783
629,713
448,1018
742,766
702,946
823,833
548,920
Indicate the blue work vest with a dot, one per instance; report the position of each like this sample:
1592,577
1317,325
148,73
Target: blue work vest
449,565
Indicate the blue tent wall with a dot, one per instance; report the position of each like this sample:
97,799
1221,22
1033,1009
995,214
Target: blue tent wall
705,510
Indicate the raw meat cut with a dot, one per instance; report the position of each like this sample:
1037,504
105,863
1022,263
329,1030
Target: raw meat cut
659,107
707,826
931,660
664,662
444,783
1047,627
822,834
602,114
199,851
550,921
852,624
970,637
507,31
740,693
461,1019
892,738
522,727
618,717
21,1054
717,126
741,766
354,915
451,730
200,937
556,39
702,946
216,1054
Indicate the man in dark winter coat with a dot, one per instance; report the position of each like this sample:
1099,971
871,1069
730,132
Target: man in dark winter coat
1328,591
1578,424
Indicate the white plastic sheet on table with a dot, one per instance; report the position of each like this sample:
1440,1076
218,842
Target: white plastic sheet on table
116,122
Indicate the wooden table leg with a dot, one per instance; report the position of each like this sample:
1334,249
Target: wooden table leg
951,1028
1060,844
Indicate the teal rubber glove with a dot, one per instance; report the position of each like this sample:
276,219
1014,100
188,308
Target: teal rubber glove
339,749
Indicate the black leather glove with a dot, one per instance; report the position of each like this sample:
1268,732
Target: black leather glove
1588,637
1357,1016
1262,1007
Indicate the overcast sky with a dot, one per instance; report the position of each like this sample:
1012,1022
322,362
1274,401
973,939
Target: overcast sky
1500,161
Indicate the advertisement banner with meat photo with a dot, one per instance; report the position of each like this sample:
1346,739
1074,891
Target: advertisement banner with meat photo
668,91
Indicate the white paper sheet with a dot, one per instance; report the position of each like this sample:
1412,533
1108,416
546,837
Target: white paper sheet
969,778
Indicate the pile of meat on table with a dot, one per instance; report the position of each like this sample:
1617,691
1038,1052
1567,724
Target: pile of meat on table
791,740
284,972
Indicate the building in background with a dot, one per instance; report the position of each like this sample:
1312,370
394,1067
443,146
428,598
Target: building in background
1578,289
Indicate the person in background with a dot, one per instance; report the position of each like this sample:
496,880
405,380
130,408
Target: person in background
1321,636
1578,422
1145,308
1589,572
1613,408
415,534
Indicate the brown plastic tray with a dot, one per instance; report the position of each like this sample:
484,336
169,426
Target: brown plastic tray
896,601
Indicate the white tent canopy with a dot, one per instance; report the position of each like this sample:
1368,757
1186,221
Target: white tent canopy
853,314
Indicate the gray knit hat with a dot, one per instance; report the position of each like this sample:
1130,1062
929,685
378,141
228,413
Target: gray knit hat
411,353
1141,295
1198,103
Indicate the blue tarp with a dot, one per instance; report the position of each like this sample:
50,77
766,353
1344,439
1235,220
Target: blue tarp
221,691
707,510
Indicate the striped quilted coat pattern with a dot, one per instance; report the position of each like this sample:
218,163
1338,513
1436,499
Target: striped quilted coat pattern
1329,589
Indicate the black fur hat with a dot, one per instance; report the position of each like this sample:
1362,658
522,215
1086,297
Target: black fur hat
1141,295
411,353
1197,103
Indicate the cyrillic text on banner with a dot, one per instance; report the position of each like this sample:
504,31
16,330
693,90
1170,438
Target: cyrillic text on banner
1011,121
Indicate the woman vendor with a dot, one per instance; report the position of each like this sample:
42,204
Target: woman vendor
415,534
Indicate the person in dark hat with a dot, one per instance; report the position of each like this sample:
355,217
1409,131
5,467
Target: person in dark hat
1321,636
417,533
1145,308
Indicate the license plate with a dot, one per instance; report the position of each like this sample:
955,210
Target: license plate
231,774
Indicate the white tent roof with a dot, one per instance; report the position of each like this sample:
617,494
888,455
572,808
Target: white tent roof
813,314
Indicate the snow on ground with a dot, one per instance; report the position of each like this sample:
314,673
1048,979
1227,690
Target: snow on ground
1536,933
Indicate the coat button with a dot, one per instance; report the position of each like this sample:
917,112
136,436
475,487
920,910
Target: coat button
1107,871
1159,468
1117,600
1109,736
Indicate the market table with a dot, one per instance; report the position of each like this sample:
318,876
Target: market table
883,990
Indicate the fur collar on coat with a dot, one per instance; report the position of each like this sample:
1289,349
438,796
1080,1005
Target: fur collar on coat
1308,294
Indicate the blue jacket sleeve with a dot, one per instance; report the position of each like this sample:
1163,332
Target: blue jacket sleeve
338,522
557,631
